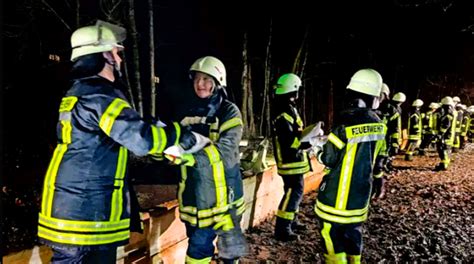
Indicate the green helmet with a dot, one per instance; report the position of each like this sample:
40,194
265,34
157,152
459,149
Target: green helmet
211,66
101,37
385,90
399,97
287,83
417,103
366,81
448,100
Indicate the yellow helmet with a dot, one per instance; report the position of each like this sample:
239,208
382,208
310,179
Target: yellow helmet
399,97
287,83
417,103
366,81
101,37
211,66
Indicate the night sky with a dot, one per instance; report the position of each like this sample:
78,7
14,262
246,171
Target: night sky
423,48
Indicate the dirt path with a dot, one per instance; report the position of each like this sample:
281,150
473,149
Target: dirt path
426,216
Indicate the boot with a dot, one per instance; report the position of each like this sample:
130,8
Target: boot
440,167
408,157
297,226
283,230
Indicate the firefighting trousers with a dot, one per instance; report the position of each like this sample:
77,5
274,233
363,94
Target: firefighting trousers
428,139
444,152
342,242
412,146
67,255
293,186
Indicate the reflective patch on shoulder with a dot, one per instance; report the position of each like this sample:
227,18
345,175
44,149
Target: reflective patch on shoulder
67,103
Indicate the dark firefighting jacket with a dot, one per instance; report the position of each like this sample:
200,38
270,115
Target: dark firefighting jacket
459,118
391,116
429,123
446,125
350,154
287,127
211,191
465,123
86,200
415,125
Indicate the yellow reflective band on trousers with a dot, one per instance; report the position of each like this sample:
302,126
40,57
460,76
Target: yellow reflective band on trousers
346,176
233,122
282,213
117,196
108,117
190,260
336,141
50,179
159,140
353,259
339,258
325,233
82,239
82,226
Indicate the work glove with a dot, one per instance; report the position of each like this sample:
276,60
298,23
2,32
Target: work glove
177,156
378,190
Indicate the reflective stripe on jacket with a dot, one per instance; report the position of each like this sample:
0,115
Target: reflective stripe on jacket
287,128
415,126
350,156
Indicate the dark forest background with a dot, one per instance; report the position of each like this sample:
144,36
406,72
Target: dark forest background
422,48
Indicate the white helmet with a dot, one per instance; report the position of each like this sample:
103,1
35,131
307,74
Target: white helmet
101,37
456,99
211,66
417,103
287,83
385,90
470,109
366,81
448,100
399,97
434,105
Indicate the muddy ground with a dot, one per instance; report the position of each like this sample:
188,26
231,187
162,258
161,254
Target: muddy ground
426,216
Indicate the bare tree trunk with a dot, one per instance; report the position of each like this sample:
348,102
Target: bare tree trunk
303,92
330,104
265,113
78,13
152,61
244,82
136,61
250,103
297,65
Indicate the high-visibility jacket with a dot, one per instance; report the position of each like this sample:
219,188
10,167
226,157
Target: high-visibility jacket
211,191
470,125
350,154
459,118
465,124
429,123
391,116
86,200
287,127
415,126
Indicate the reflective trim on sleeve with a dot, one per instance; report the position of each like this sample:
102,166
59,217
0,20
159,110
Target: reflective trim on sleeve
233,122
287,117
336,141
67,103
177,129
159,140
113,110
219,175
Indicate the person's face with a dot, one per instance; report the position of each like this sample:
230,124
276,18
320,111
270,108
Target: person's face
116,57
203,85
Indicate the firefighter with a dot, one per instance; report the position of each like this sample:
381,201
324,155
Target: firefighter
458,114
210,194
464,127
385,111
429,128
292,162
352,157
446,128
414,129
470,124
394,128
85,208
